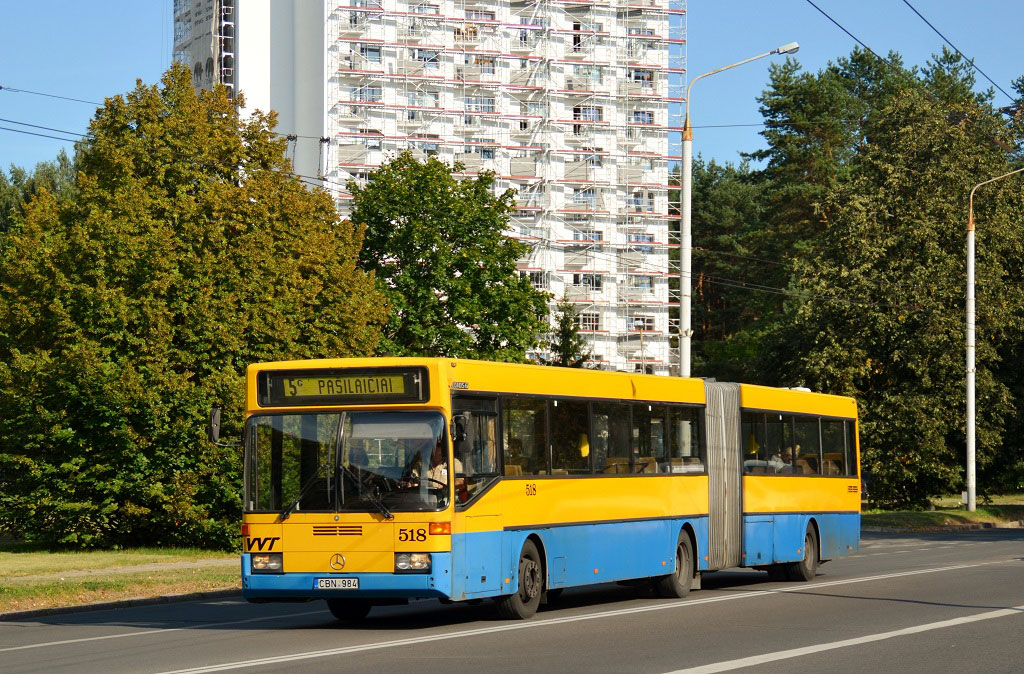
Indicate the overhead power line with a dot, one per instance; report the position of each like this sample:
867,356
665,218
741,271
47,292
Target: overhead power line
957,50
852,36
45,128
39,93
33,133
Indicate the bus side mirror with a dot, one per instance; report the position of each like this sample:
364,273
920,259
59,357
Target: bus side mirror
213,426
459,424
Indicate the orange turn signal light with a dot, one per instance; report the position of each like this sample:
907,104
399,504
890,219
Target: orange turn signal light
440,528
245,530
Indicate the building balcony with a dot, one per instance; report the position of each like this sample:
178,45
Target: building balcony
523,167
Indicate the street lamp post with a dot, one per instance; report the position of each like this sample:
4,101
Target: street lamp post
971,453
685,235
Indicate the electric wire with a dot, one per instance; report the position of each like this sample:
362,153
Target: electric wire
45,128
41,135
39,93
957,50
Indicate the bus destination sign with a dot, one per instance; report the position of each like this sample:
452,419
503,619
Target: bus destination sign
342,387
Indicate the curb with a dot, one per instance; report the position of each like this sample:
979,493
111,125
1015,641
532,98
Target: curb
123,603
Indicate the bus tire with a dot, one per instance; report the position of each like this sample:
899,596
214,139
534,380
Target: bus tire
806,568
676,585
523,603
349,610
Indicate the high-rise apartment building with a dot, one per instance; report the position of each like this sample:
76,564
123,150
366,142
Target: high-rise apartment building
573,104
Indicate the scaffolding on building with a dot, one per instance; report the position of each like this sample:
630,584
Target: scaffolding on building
572,104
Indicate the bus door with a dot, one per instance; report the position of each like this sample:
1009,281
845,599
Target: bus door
725,516
477,550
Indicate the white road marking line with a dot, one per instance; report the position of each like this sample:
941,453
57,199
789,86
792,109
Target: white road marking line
275,660
755,660
160,631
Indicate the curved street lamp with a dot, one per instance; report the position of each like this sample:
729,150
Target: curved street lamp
971,475
685,234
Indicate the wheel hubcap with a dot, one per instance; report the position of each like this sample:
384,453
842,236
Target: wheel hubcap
529,574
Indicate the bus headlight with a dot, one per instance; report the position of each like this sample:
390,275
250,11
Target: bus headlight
267,562
412,562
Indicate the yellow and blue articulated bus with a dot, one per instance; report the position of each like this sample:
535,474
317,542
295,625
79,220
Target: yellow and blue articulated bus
375,481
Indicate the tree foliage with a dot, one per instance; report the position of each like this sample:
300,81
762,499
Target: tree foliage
18,186
854,279
187,253
568,348
438,248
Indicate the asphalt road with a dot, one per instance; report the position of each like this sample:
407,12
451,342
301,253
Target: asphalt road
932,603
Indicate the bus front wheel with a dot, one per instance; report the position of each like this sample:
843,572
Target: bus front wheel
677,585
349,610
806,568
523,603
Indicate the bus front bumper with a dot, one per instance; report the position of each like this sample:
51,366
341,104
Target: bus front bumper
285,586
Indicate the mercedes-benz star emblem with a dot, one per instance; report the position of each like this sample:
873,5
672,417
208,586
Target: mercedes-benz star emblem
338,562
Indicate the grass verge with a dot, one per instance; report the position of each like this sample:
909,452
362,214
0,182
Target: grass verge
16,561
76,591
942,517
33,579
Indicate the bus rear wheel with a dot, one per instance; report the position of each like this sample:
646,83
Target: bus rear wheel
677,584
349,610
806,568
523,603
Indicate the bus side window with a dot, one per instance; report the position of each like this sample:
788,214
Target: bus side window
851,448
779,439
832,447
755,445
610,444
807,450
570,438
525,441
648,437
686,454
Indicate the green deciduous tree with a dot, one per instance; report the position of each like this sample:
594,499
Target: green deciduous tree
18,186
187,253
438,248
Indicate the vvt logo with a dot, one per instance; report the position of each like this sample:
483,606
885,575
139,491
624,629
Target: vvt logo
261,543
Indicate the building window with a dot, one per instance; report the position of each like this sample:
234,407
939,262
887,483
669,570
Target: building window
645,323
585,196
588,73
430,57
589,113
641,238
588,281
479,104
479,15
642,283
589,321
640,201
368,94
536,278
587,235
370,52
643,77
643,117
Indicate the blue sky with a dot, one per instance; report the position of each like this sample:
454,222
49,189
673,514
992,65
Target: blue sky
90,50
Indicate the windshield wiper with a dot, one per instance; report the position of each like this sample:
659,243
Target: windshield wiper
287,512
372,497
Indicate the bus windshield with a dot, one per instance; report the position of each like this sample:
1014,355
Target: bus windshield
347,461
